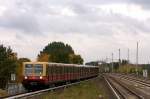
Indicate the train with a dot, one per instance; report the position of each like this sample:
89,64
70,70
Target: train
44,74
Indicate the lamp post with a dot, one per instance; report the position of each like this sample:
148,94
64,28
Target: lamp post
119,57
112,62
137,52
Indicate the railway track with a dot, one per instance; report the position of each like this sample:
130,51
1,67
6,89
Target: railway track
121,90
131,79
35,93
40,92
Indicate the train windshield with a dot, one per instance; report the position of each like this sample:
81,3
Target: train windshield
38,69
28,69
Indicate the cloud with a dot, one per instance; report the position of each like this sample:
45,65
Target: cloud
27,24
23,21
48,16
143,3
93,32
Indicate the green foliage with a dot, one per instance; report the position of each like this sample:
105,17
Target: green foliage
124,62
129,69
93,63
146,67
84,90
43,57
8,63
60,53
21,60
75,59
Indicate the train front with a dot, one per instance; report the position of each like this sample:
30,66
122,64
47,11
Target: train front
34,75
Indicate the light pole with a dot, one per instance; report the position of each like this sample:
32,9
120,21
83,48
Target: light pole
137,52
112,62
119,57
128,56
128,61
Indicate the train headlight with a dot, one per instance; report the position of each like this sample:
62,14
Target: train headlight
41,77
26,77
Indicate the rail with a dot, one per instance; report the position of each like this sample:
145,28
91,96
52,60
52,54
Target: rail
32,94
140,81
121,90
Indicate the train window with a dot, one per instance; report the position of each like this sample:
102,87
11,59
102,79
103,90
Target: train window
28,69
75,69
55,69
38,69
58,69
70,69
47,69
61,69
50,69
65,69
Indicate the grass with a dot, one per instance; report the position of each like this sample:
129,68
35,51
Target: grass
84,90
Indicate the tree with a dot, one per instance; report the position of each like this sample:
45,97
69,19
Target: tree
19,68
58,52
76,59
43,57
8,63
124,62
21,60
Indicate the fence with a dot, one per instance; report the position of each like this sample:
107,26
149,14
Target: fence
15,88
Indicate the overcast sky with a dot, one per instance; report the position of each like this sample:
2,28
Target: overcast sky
94,28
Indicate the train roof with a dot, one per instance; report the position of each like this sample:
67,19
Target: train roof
76,65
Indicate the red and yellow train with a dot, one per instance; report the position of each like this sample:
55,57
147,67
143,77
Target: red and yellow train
46,74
